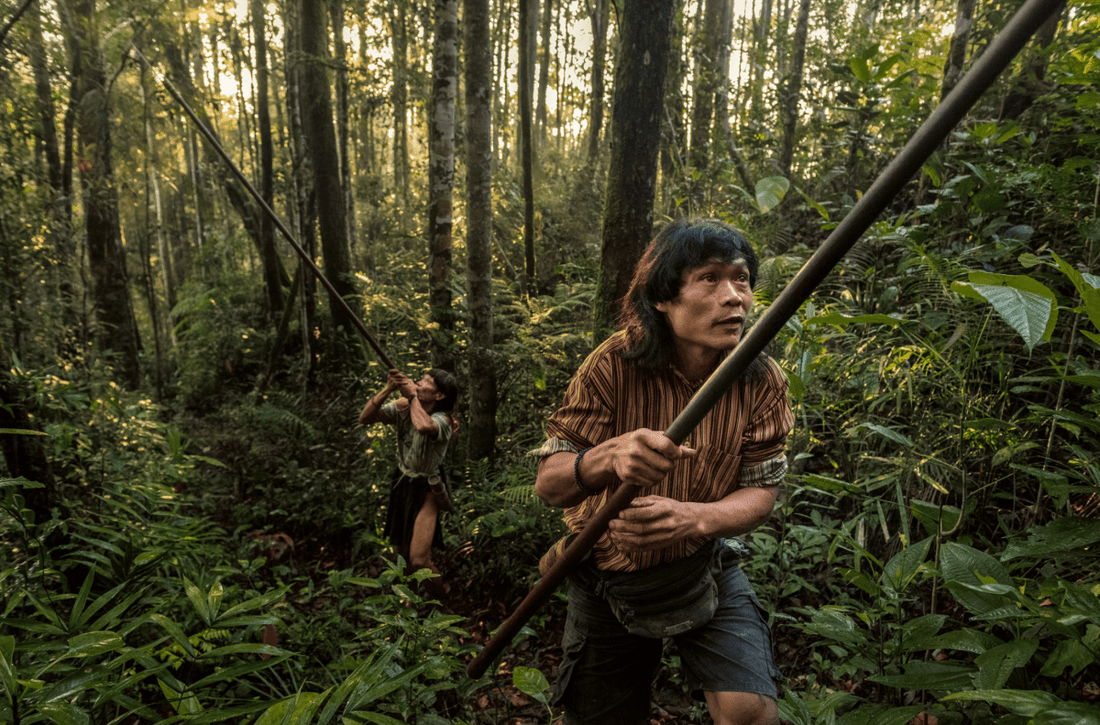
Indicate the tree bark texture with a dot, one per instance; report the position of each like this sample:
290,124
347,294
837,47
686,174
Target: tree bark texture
636,128
442,179
793,89
343,132
118,332
599,15
269,258
956,53
479,232
528,18
399,97
544,70
318,127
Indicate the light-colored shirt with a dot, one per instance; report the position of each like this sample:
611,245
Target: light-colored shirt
418,455
740,442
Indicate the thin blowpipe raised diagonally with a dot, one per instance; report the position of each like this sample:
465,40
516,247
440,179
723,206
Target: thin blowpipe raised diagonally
928,137
270,212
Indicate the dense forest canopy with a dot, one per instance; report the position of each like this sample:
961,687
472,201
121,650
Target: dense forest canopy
190,514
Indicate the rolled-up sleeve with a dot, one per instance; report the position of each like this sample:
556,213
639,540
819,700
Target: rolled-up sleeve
763,457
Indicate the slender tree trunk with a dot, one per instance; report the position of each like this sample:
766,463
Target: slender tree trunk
544,71
343,134
761,32
163,250
599,16
302,180
400,99
318,127
500,123
788,102
479,239
58,208
528,17
956,53
723,43
442,178
118,331
707,77
269,257
672,121
636,128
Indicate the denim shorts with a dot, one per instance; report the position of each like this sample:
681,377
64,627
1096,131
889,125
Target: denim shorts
606,673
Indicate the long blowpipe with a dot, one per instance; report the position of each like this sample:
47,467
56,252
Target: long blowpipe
333,294
908,161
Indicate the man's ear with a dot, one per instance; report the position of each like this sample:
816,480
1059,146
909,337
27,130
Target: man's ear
662,306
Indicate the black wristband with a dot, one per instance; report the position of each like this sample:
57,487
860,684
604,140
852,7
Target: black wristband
577,473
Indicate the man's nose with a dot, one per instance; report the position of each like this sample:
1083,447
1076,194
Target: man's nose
730,296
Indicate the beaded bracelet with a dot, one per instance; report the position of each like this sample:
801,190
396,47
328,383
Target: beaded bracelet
577,473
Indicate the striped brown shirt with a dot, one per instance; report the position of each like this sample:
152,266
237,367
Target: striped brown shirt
608,397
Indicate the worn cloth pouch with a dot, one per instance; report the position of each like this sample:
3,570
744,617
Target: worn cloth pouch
664,600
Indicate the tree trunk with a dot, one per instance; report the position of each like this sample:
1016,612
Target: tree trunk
956,53
672,121
269,257
1031,81
118,331
788,102
723,44
321,139
761,28
343,133
528,17
59,208
163,250
479,229
441,170
400,99
302,181
707,77
544,71
636,128
599,15
500,125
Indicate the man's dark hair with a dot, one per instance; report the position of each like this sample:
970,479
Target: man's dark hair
445,383
682,245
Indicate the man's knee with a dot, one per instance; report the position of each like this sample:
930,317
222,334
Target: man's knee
742,708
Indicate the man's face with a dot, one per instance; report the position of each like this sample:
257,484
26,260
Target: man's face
709,314
427,391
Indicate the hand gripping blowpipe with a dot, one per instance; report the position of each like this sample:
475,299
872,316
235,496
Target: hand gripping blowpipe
333,294
927,138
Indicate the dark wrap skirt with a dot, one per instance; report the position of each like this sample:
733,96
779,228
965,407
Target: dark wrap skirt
406,499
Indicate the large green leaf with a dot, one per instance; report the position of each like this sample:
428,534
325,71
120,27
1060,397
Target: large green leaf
295,710
880,715
1060,535
530,681
920,633
963,565
63,713
1027,305
94,643
1043,707
901,569
996,665
930,676
770,191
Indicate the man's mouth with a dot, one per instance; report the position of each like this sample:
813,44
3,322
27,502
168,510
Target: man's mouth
727,321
